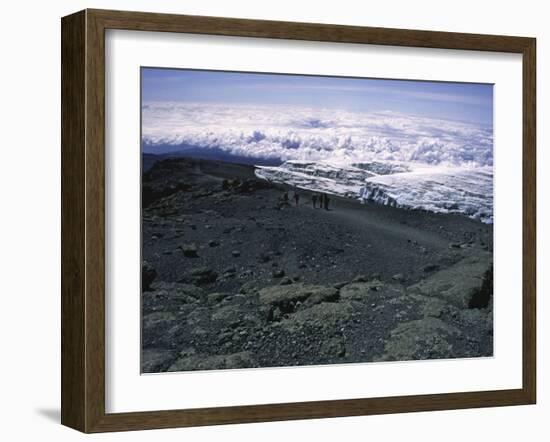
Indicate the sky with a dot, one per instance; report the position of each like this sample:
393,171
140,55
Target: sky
443,100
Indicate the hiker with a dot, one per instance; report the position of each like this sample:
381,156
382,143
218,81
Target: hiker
296,198
283,201
363,194
326,201
314,200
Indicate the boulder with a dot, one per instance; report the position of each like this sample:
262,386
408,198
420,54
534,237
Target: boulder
366,291
214,298
276,314
229,272
459,284
216,362
431,306
171,296
483,297
427,338
249,287
286,296
176,290
232,313
157,318
361,278
200,276
333,347
189,250
477,318
148,275
327,316
431,268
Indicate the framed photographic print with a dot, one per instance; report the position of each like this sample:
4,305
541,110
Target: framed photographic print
267,221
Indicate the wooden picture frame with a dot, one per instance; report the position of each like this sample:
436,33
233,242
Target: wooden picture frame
83,220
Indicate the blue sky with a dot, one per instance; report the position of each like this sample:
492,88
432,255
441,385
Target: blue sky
453,101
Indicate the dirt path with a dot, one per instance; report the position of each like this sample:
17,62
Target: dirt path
393,229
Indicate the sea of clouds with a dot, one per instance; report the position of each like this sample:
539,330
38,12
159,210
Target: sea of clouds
300,133
435,164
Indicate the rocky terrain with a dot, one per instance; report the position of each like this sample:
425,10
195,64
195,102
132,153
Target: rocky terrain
232,278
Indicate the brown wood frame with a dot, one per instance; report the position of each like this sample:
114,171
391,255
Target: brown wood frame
83,216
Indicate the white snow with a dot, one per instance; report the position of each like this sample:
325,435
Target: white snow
465,190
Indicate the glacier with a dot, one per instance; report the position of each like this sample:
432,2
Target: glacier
440,189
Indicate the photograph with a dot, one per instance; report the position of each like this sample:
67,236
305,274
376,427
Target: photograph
298,220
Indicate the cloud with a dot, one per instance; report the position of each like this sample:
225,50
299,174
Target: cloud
300,133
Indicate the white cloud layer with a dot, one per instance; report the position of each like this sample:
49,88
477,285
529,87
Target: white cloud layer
296,133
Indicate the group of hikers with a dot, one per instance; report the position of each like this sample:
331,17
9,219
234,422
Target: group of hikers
322,198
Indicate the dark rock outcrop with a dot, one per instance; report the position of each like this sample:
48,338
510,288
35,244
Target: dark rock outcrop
148,275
